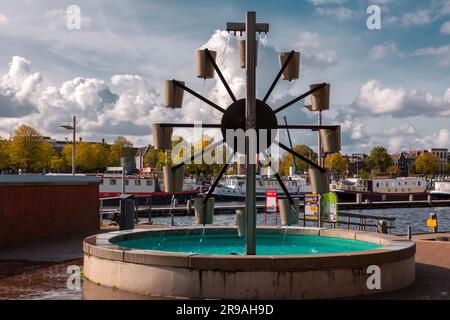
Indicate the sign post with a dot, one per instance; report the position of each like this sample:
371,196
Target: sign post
311,207
271,205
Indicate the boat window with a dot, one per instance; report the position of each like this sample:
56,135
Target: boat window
137,182
418,183
378,184
149,182
112,182
127,182
101,181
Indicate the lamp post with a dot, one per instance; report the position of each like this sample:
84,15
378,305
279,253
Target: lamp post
73,129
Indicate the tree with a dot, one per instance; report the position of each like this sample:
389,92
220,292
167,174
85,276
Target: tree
379,160
447,168
286,159
88,156
427,163
336,162
121,148
102,156
151,158
57,163
5,160
394,170
28,150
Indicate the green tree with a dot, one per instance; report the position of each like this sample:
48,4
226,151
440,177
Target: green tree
28,150
151,158
57,163
121,148
5,161
427,163
378,160
447,168
102,156
286,159
336,162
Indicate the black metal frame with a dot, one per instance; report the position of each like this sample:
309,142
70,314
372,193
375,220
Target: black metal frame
239,27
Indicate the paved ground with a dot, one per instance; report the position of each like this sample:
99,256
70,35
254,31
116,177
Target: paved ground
39,271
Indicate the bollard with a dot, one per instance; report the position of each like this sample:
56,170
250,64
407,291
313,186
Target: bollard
204,212
429,199
126,216
409,233
382,226
411,198
149,203
358,198
241,222
432,222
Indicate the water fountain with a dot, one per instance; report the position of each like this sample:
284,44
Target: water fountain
267,262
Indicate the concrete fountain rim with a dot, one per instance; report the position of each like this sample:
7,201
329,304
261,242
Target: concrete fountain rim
392,249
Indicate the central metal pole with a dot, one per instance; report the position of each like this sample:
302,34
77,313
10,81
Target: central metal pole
319,141
250,122
73,144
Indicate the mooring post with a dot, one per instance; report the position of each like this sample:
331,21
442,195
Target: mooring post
250,122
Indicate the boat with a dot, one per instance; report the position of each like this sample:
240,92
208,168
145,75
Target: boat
232,187
381,189
113,184
441,190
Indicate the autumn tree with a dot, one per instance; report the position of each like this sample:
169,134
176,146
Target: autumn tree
427,163
88,156
151,158
28,149
57,163
336,162
286,159
378,160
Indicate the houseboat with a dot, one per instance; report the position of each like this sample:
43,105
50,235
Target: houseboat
441,190
381,189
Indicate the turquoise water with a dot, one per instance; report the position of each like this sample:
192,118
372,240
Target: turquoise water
266,244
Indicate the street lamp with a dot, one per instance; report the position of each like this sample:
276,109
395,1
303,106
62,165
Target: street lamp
73,129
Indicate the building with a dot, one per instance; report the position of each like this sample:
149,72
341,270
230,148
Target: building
403,161
443,155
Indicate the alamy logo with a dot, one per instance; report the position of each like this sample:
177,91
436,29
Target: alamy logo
374,20
73,17
374,280
74,280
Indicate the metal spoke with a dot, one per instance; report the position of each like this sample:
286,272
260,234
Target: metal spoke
285,190
303,96
211,190
277,78
307,127
298,155
189,125
216,67
199,96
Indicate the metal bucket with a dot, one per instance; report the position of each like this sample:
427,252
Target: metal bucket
173,180
289,214
204,212
162,137
292,70
204,67
173,94
319,181
242,53
331,139
320,100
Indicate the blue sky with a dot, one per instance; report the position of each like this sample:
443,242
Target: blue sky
389,86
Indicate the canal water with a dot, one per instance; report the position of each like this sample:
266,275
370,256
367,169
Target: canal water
404,217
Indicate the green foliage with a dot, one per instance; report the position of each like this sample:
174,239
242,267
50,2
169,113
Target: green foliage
121,148
5,160
378,160
88,156
28,150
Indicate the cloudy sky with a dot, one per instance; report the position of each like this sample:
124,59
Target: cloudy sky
388,87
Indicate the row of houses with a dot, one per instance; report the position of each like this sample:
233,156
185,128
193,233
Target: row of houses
402,160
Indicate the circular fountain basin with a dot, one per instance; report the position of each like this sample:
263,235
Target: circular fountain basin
291,262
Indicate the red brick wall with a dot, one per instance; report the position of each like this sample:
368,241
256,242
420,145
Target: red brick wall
36,211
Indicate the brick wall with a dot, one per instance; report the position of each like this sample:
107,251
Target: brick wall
31,211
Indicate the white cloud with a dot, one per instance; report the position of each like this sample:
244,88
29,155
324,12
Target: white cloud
445,27
384,50
322,2
313,51
375,99
339,13
418,18
4,20
440,139
57,19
